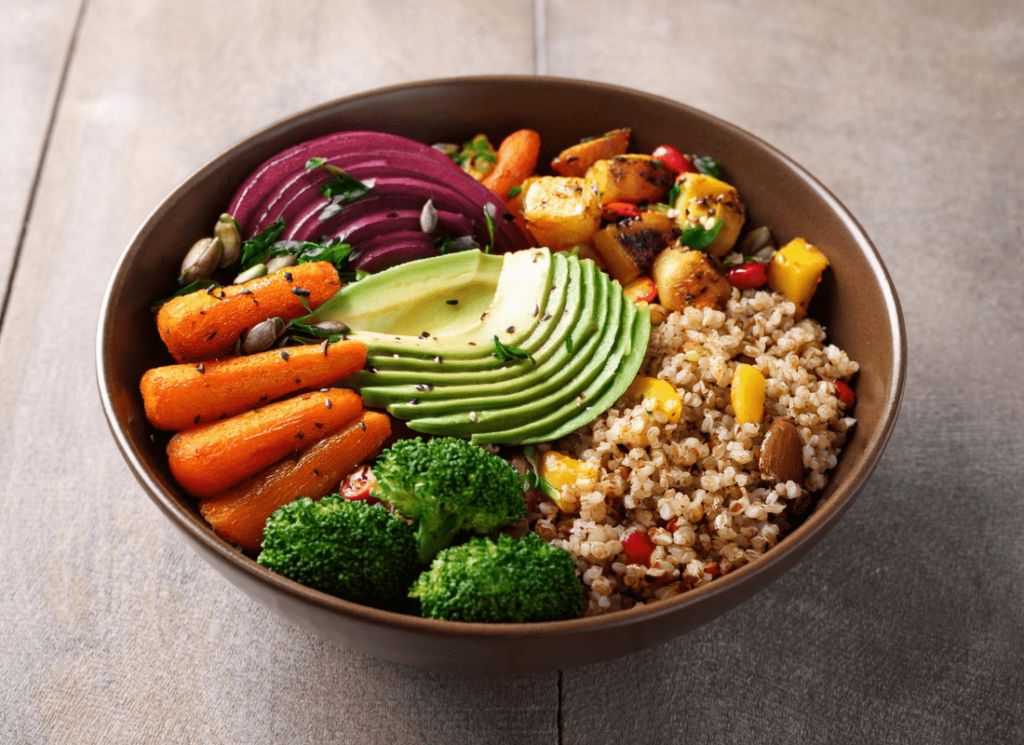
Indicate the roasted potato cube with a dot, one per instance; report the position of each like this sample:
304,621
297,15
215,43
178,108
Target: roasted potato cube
689,278
631,178
562,211
629,246
795,271
706,201
576,160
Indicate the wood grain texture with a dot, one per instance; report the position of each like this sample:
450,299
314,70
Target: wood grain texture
35,43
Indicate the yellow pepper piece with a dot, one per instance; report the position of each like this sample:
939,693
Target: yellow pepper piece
666,400
795,271
747,394
559,470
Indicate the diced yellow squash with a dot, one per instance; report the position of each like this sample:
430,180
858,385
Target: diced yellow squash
706,201
631,178
560,470
629,247
688,278
576,160
659,393
562,211
747,392
795,271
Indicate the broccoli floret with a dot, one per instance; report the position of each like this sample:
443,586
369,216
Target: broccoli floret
507,581
352,550
448,486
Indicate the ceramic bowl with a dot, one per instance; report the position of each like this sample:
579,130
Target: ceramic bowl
856,302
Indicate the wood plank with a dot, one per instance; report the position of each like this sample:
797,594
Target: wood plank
904,624
35,41
112,629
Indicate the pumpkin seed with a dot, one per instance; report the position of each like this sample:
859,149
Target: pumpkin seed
252,272
262,336
755,240
200,261
227,231
281,262
781,457
428,217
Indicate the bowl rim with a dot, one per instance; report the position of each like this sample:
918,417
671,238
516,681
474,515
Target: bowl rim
791,546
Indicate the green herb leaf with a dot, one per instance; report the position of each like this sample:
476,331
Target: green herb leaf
476,153
533,480
313,163
490,227
506,352
707,165
300,333
673,194
257,249
698,237
199,284
514,192
340,190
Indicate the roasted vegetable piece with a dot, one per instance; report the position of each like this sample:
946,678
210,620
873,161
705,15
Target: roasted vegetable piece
352,550
706,201
206,324
447,486
503,581
239,514
207,460
517,157
660,396
795,271
562,211
178,397
689,278
631,178
746,393
576,160
641,290
629,246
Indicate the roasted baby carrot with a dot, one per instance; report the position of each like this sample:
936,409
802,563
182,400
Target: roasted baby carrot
205,324
240,514
209,459
178,397
517,157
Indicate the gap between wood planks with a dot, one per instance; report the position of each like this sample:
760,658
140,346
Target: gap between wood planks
36,177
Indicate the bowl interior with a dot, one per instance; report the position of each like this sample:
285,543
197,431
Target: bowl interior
856,302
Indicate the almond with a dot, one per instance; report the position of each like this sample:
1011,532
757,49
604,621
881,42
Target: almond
781,458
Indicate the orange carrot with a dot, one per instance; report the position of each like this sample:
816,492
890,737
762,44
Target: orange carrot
178,397
517,157
240,514
207,460
206,324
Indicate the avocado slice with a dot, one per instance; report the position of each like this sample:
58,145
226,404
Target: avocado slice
572,330
536,383
390,368
388,311
494,414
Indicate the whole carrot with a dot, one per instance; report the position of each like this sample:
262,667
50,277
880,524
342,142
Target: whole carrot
206,324
517,158
240,514
178,397
209,459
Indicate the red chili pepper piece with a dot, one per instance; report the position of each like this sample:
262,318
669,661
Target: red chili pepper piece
747,276
357,485
615,211
845,394
638,547
712,568
673,159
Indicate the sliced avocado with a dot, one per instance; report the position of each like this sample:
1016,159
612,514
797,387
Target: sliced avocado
496,412
416,366
543,384
578,324
382,311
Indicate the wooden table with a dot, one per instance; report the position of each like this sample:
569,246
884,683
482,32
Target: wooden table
905,625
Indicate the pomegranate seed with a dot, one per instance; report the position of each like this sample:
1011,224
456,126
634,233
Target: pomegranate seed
673,159
747,276
615,211
845,394
638,547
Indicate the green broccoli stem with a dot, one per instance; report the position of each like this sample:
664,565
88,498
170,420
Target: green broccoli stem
436,536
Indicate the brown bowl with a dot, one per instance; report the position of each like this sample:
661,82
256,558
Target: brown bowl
856,302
